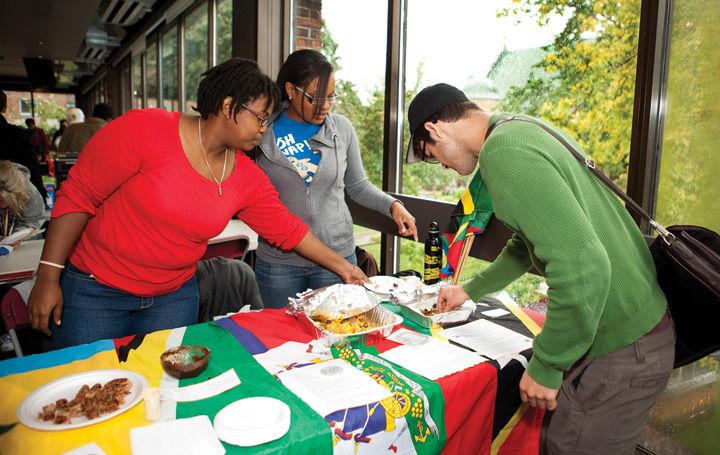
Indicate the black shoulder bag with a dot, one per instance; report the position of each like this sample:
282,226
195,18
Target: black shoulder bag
687,259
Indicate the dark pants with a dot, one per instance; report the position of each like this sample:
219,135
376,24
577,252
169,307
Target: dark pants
604,402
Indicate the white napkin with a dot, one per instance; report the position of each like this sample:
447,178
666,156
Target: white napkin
87,449
191,435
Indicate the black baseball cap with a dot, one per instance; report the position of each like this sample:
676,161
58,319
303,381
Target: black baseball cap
426,103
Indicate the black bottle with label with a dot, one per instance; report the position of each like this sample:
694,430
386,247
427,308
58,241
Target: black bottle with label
433,255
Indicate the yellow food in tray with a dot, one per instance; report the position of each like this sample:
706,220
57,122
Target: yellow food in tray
343,326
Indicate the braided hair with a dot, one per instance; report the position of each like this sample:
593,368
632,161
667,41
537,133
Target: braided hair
238,78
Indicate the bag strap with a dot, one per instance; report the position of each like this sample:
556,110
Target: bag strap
590,164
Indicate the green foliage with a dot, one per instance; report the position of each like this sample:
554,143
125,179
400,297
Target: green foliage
47,109
590,91
330,47
688,191
223,25
196,52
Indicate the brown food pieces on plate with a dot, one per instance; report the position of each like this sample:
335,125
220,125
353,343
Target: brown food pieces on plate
91,402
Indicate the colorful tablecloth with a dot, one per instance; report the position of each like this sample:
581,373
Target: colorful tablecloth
477,410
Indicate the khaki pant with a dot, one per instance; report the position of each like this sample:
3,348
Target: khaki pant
604,402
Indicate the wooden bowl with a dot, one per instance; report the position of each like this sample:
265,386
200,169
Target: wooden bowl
185,361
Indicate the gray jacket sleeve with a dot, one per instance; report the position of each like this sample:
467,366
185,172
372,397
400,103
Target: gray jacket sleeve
357,185
34,215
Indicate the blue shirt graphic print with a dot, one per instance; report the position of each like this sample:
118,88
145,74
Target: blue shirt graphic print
292,138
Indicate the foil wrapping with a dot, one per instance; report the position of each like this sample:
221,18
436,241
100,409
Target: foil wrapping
416,295
343,301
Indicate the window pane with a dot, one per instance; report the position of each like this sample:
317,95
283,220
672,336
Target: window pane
151,69
196,52
687,417
574,68
137,89
169,69
223,30
359,61
26,106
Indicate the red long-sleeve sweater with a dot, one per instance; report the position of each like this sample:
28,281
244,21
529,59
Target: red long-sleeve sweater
151,213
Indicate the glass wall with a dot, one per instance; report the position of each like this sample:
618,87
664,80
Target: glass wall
359,61
169,61
159,61
151,72
552,63
195,52
223,30
137,82
687,416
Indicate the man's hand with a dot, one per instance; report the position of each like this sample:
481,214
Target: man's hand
538,396
450,297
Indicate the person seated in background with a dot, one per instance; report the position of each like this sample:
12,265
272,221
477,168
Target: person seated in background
75,115
21,205
78,134
148,192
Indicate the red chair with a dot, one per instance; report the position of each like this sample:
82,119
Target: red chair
14,316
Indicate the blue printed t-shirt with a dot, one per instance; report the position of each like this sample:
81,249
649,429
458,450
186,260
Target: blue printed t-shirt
292,138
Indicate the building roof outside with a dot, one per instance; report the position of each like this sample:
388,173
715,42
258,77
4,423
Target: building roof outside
481,88
516,68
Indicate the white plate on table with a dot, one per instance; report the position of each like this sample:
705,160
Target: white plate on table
15,236
385,285
67,387
252,421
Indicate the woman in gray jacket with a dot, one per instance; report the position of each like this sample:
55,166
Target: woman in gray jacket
313,157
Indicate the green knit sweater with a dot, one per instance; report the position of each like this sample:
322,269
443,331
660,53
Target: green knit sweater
603,291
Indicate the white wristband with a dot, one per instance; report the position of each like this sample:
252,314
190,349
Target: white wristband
52,264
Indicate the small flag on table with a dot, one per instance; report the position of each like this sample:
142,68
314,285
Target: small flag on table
469,218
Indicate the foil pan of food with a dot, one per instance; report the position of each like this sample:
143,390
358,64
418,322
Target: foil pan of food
336,301
342,313
424,313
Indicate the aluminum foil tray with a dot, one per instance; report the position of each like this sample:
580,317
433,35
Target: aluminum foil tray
383,318
413,312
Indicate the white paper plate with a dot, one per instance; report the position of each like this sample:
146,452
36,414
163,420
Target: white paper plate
15,236
67,387
252,421
384,285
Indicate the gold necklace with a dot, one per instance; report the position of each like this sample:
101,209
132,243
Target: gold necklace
222,177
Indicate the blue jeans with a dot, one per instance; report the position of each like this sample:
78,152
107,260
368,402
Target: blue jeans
93,311
277,282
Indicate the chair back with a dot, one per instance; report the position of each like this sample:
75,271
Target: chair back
14,310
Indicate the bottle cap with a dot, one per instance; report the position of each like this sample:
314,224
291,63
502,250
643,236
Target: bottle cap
433,227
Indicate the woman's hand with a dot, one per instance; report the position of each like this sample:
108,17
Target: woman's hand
450,297
403,219
46,299
356,277
310,247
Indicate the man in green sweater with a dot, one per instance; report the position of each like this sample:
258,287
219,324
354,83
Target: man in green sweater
606,349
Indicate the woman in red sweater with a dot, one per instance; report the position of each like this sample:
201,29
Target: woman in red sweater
139,206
